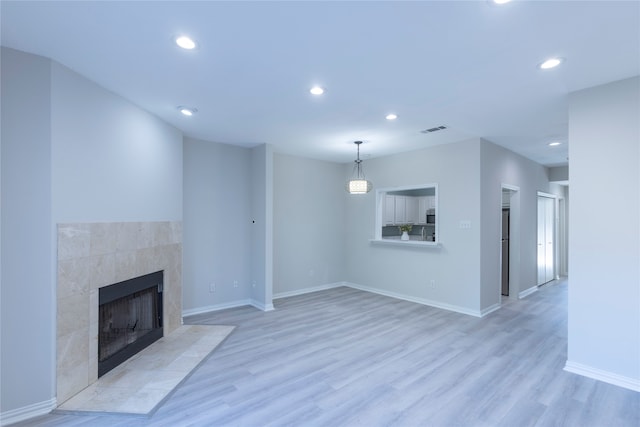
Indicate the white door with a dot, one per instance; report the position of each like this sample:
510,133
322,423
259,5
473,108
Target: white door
546,236
549,233
542,266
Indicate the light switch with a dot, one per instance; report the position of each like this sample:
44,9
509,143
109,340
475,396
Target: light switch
465,224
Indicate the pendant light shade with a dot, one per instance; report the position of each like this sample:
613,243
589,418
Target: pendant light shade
358,184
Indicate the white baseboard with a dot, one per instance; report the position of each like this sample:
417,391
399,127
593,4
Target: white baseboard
261,306
215,307
307,290
489,309
423,301
27,412
527,292
269,307
604,376
226,305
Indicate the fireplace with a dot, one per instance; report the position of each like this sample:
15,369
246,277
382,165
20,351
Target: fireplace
129,319
92,256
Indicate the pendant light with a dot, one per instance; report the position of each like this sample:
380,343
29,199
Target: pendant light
358,184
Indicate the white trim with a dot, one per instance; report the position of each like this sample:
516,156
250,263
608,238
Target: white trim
423,301
527,292
226,305
604,376
509,187
547,195
269,307
27,412
489,309
216,307
307,290
261,306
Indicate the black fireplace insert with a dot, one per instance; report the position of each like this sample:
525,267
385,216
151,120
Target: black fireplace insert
130,319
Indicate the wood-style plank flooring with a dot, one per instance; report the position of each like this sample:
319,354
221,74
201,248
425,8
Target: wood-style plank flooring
345,357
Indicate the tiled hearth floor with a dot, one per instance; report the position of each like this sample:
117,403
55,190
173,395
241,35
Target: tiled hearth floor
141,383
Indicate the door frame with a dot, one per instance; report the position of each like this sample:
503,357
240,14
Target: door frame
514,241
554,232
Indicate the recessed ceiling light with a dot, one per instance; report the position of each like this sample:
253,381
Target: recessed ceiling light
501,1
391,116
554,144
185,42
187,111
316,90
551,63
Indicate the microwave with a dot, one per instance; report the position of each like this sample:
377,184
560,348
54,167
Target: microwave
431,219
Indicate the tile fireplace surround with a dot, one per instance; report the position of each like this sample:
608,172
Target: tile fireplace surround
95,255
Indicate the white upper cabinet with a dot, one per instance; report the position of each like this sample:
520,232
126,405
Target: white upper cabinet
431,202
401,209
389,211
423,205
411,210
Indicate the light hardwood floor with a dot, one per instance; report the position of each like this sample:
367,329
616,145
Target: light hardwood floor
344,357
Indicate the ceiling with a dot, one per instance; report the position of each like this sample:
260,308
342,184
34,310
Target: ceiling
469,66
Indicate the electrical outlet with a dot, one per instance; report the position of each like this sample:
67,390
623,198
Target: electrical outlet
235,283
253,284
312,273
432,284
212,287
465,224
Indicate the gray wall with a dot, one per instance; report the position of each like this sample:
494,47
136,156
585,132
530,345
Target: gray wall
309,224
455,266
217,223
71,151
262,226
27,310
604,297
112,161
500,166
227,226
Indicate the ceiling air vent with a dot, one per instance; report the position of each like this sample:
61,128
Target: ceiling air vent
435,129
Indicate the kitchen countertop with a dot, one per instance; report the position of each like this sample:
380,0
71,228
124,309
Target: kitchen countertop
412,238
414,243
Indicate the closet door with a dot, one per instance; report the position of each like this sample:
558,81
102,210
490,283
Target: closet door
549,233
546,234
542,259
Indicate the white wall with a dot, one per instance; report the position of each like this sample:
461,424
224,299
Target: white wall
71,151
217,224
604,293
455,266
27,313
309,224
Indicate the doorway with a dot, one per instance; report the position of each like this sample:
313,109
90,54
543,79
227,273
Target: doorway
509,272
505,251
546,238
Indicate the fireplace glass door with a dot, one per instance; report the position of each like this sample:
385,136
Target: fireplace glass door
130,319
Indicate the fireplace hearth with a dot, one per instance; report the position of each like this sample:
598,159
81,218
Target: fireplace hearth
130,319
